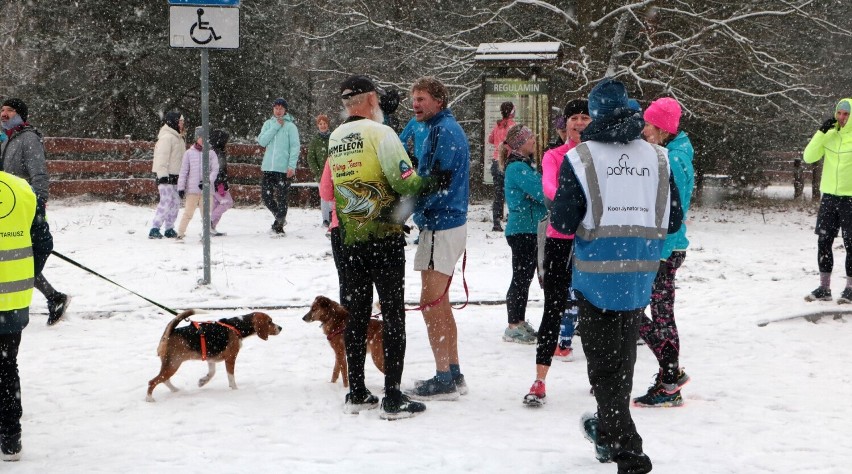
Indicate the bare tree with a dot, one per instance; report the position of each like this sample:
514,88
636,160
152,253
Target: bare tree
711,55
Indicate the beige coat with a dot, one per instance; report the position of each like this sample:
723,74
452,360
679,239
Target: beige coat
168,153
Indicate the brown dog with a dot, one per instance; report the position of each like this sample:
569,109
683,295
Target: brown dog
333,318
213,341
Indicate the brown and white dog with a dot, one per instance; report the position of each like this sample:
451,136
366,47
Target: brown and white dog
213,341
333,318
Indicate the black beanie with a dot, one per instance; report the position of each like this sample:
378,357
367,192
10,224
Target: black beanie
19,106
172,119
576,106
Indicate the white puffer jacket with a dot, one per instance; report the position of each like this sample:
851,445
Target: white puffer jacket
168,153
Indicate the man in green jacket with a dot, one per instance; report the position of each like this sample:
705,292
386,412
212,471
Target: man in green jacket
280,137
833,143
317,154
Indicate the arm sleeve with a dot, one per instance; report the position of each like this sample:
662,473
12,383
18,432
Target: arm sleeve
815,149
675,209
267,132
530,183
36,166
313,157
681,175
569,202
407,132
295,147
160,166
492,137
549,175
391,156
184,171
326,186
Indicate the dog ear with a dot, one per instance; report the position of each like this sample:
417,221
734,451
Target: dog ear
261,325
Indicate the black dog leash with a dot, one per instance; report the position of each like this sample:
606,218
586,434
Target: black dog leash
79,265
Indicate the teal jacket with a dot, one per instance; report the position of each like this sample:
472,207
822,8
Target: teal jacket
281,143
680,164
524,196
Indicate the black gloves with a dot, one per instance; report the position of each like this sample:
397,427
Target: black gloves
438,180
827,125
163,180
200,185
182,194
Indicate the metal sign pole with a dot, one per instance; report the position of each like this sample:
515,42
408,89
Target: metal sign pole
205,163
205,24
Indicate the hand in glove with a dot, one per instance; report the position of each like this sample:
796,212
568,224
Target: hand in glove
181,194
438,180
828,125
200,185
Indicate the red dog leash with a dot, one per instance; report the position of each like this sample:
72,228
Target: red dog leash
447,290
198,324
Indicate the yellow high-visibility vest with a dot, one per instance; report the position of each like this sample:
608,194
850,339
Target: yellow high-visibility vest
17,210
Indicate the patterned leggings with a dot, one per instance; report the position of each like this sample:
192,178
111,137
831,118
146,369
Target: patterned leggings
660,331
168,207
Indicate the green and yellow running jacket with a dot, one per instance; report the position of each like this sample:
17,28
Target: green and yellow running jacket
371,173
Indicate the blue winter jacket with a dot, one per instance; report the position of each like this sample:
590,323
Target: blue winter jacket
524,197
446,148
417,132
281,143
680,163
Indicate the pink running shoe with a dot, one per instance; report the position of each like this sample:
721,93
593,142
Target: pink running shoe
536,396
565,355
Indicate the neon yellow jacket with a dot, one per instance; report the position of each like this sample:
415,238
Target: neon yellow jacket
836,147
17,209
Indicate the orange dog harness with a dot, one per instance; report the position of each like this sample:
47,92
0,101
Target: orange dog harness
198,324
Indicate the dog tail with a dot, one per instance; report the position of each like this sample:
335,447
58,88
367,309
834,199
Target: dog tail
164,341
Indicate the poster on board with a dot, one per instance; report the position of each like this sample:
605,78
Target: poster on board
531,100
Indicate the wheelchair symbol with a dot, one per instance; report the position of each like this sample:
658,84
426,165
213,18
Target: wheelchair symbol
201,25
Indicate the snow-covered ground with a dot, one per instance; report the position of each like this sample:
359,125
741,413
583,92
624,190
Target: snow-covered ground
762,399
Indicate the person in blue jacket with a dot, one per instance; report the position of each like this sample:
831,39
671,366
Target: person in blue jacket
525,201
659,332
441,216
280,137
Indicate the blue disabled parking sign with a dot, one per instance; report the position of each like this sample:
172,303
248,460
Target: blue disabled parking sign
207,3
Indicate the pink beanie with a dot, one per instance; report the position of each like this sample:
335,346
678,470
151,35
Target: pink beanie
664,113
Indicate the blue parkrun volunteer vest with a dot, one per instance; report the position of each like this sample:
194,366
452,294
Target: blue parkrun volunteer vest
618,244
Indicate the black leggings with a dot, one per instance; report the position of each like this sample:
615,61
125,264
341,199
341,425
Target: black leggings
835,214
274,188
524,252
499,192
380,263
557,280
10,385
825,256
42,246
339,262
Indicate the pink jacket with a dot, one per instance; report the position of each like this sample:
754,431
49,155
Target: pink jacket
326,191
498,135
190,170
550,164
